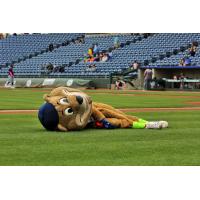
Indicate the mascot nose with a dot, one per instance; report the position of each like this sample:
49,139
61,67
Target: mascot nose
79,99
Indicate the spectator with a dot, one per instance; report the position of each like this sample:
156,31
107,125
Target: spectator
100,56
181,62
91,68
7,35
104,57
154,83
91,59
116,42
90,51
187,61
82,41
10,76
135,65
61,69
110,55
49,67
193,49
85,58
55,69
97,57
119,84
1,36
96,49
147,79
51,47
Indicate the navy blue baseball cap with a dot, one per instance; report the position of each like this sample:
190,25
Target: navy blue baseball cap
48,116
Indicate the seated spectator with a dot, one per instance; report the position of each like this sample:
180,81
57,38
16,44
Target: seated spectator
187,61
100,56
82,41
61,69
116,42
90,51
51,47
85,59
110,55
193,49
1,36
49,67
91,68
154,83
55,69
104,57
181,62
7,35
135,65
119,84
97,57
96,49
91,59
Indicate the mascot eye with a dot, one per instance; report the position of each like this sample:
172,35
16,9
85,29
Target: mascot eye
64,101
68,111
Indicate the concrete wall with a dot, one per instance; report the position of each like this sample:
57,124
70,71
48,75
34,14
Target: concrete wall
38,82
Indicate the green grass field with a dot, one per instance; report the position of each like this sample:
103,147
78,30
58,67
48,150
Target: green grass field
23,141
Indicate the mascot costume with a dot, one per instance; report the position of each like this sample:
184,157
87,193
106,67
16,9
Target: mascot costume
68,109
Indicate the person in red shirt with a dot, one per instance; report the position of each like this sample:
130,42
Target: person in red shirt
10,76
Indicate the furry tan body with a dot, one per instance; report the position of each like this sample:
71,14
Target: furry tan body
64,99
114,116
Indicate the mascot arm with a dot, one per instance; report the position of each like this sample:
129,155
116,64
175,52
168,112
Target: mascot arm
113,114
101,106
119,123
114,118
97,115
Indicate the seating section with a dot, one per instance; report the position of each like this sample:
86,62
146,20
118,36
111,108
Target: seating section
70,53
175,41
16,47
136,47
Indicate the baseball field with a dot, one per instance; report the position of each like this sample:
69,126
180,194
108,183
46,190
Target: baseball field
24,142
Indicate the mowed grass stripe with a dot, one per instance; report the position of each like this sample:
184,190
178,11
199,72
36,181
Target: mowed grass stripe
24,99
24,142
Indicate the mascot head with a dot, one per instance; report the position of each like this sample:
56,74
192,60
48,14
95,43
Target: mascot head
65,109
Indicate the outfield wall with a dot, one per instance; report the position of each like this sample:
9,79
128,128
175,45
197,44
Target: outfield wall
56,82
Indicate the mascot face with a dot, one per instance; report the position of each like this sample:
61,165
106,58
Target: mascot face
73,108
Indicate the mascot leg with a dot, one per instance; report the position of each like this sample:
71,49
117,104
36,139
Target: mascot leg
141,124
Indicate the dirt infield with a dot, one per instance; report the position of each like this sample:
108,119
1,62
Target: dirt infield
148,94
122,109
18,111
159,109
